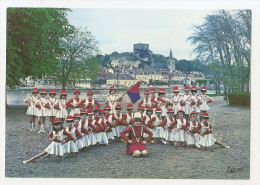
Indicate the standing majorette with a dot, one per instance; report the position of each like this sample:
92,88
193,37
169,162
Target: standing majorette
180,134
118,121
90,102
206,137
147,101
191,129
102,133
83,128
168,124
74,103
153,93
31,111
53,101
154,124
57,138
162,102
111,131
203,101
71,146
135,140
175,102
43,109
112,99
61,106
186,102
194,99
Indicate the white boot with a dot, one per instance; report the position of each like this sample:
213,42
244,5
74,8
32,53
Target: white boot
197,145
40,130
43,130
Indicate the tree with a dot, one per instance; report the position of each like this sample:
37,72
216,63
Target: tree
76,61
33,36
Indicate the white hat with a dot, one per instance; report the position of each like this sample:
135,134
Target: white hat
137,115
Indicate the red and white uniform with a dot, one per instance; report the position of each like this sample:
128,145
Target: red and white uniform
169,122
119,122
136,135
94,126
180,134
194,101
208,139
187,99
175,102
204,99
43,111
193,136
112,101
102,134
71,145
62,111
83,129
53,101
56,147
89,104
111,127
31,101
161,102
146,102
74,104
148,120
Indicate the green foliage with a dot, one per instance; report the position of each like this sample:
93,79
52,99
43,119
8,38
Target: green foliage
160,58
190,65
239,98
33,36
201,81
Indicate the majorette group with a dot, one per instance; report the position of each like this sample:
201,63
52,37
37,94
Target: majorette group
159,119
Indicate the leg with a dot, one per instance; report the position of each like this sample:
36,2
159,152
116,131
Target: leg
220,144
35,157
43,123
136,153
39,123
31,122
179,143
144,153
202,147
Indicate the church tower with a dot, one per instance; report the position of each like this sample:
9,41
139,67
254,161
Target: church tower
171,63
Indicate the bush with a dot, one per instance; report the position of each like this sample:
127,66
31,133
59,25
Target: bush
239,98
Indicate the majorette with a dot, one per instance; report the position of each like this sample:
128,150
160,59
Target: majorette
74,103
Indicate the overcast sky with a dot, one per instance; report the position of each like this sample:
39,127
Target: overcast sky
119,29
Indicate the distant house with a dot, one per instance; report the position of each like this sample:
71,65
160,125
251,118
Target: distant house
125,80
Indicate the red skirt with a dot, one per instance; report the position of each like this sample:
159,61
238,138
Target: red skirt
130,148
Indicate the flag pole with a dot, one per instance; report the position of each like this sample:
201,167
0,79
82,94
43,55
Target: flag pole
98,92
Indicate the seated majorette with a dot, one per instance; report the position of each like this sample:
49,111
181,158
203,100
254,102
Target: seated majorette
154,123
74,103
206,138
168,124
111,130
118,119
180,134
89,102
112,99
135,140
176,100
57,140
191,128
94,127
141,111
102,131
79,142
186,102
31,111
128,117
204,100
83,128
71,146
149,118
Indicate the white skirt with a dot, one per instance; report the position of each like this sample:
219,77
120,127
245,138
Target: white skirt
192,139
158,132
204,106
110,135
180,136
84,140
103,138
71,146
195,108
207,140
169,135
55,148
92,139
62,113
74,111
187,108
146,135
31,110
79,143
176,108
43,112
119,129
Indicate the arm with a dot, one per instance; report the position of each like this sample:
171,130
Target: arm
123,122
173,124
50,136
98,105
141,102
69,103
124,132
69,137
150,134
187,124
198,128
163,123
150,123
84,130
210,100
117,120
78,134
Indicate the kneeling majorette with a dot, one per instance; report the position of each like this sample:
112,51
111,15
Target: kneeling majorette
111,130
83,128
57,142
102,131
206,138
180,134
118,119
135,140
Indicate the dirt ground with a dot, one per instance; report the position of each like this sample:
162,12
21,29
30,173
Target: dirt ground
232,127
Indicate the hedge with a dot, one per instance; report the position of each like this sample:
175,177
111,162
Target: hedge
239,98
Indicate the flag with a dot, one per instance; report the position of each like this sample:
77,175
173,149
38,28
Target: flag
134,93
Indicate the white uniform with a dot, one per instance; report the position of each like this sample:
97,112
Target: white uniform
176,100
169,135
119,128
192,139
195,99
146,122
84,138
203,99
110,135
53,101
56,148
158,132
43,111
180,135
187,99
206,140
62,112
163,106
92,140
75,103
31,108
112,101
71,145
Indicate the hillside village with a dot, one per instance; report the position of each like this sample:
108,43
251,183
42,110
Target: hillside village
127,68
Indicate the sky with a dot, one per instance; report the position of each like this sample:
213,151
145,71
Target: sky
118,29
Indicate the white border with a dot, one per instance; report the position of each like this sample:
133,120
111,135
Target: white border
165,4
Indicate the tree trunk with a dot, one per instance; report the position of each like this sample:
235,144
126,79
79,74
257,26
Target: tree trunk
63,85
225,92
